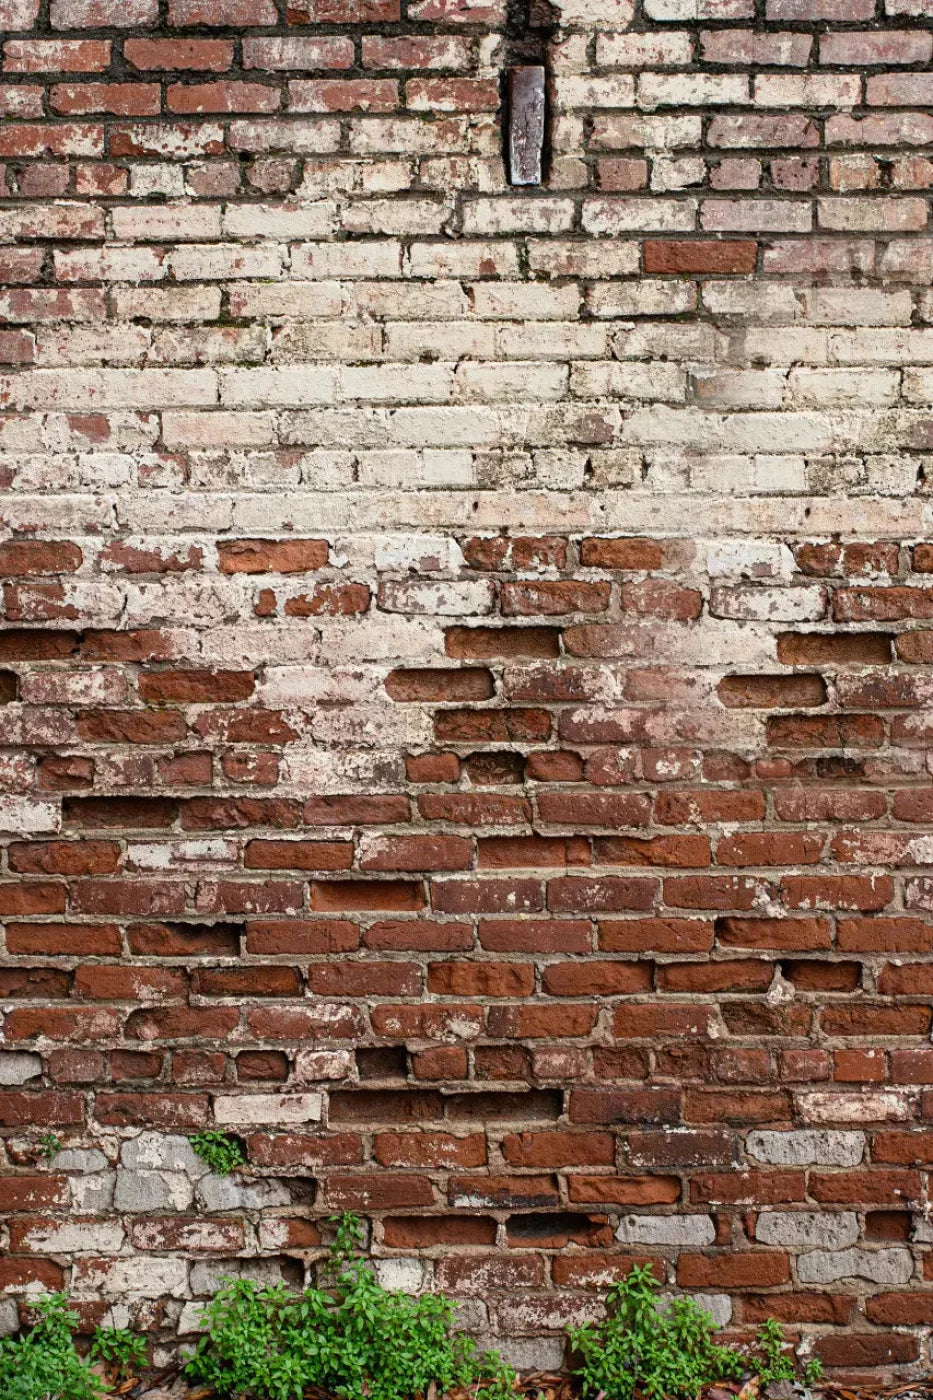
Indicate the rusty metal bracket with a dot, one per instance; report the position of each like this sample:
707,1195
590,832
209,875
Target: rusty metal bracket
527,107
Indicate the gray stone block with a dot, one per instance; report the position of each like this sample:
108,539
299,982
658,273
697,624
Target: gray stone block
888,1266
162,1152
79,1159
807,1146
19,1066
808,1229
152,1190
235,1193
93,1192
208,1275
676,1230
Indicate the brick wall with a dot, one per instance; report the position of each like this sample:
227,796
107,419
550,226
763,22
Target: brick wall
465,657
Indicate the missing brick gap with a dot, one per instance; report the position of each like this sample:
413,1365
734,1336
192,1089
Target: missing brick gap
530,27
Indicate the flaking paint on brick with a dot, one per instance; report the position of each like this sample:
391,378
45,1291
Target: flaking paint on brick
464,657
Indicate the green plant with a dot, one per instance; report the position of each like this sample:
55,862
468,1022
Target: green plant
49,1145
120,1349
813,1371
666,1352
42,1363
773,1363
222,1152
353,1338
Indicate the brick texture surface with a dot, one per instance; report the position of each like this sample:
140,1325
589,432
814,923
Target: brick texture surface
465,657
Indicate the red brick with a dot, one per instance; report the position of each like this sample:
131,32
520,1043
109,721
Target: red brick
554,598
686,807
849,892
490,643
222,97
184,940
272,556
51,939
530,1022
492,726
624,1106
429,1150
468,684
56,55
23,1192
351,979
171,54
624,1190
797,1307
471,979
40,1108
344,896
298,855
487,896
343,95
32,897
596,979
247,982
343,11
534,936
492,809
421,693
753,1269
702,255
559,1149
876,1349
770,848
443,1062
172,1112
180,1023
117,99
834,648
748,1187
414,1232
131,726
417,853
419,935
880,1186
720,976
578,894
344,811
884,935
209,813
65,857
20,1273
193,687
20,557
771,692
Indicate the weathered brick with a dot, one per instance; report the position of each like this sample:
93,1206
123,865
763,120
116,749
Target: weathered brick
415,588
171,54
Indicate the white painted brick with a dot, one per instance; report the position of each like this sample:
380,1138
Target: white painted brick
75,1237
680,1231
803,1230
19,1066
821,1106
621,215
23,816
884,1266
267,1109
806,1146
146,1276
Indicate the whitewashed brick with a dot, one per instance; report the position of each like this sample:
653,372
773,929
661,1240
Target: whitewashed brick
267,1109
